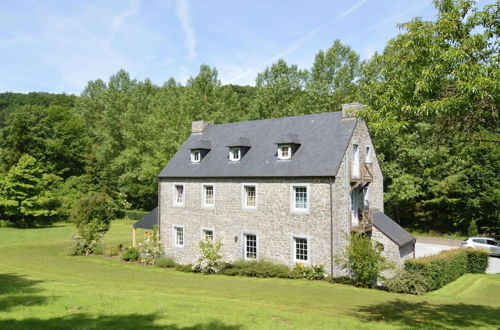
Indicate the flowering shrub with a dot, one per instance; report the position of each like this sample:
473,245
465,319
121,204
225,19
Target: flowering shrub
211,260
87,240
314,272
150,249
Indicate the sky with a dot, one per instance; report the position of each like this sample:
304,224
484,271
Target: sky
59,45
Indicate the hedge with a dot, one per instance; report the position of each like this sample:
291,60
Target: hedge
447,266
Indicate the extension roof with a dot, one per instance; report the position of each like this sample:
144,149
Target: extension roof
323,139
391,229
148,221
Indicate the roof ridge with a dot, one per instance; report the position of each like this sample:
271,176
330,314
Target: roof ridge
280,118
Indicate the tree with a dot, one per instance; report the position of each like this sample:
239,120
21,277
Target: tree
26,196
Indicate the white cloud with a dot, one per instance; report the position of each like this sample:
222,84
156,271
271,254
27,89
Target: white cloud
182,11
350,10
131,11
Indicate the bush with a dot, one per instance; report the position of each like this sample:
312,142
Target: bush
150,249
340,279
477,261
314,272
211,260
406,281
165,262
99,250
92,216
131,254
184,268
112,250
472,231
363,260
259,268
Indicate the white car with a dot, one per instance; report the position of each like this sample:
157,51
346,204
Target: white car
486,243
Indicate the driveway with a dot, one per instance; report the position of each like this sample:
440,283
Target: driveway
427,246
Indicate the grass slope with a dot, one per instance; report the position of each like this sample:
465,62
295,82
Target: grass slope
42,287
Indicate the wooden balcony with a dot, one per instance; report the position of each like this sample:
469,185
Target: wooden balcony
365,221
364,178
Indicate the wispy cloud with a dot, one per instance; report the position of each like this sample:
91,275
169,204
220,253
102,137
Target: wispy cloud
182,11
131,11
352,9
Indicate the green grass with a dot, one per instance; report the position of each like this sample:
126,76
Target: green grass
42,287
456,236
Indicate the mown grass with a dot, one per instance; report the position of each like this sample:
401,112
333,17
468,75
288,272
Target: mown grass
42,287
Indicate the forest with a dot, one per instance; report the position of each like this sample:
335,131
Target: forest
431,101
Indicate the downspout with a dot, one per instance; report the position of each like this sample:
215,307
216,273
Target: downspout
159,209
331,227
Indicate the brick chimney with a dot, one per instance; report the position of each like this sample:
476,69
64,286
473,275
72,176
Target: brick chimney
349,110
199,126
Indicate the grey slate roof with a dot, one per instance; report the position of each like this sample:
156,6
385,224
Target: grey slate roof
323,140
148,221
391,229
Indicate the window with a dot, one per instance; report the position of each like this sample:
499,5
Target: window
178,194
284,151
208,234
234,154
355,160
301,249
479,240
250,246
179,236
300,200
368,156
366,198
250,197
208,195
195,156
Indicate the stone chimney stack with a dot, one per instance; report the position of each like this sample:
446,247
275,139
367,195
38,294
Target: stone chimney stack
349,110
199,126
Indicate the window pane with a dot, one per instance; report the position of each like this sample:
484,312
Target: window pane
179,191
284,151
209,234
300,249
209,195
300,197
251,246
179,236
250,196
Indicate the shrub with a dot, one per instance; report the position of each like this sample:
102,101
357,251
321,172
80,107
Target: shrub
131,254
477,261
165,262
99,250
406,281
259,268
363,260
92,216
472,231
150,249
340,279
112,250
439,269
184,268
313,272
211,260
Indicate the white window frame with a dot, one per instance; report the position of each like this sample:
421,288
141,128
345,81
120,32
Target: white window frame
174,232
280,152
245,246
175,202
356,170
204,196
294,252
231,154
293,208
193,156
204,233
368,155
244,196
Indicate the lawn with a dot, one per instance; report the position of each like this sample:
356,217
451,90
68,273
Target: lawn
42,287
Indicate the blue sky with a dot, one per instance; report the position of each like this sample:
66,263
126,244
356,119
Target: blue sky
59,45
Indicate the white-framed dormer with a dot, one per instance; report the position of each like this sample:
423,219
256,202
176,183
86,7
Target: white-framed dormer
300,196
195,155
300,249
178,194
208,195
249,197
284,151
235,154
178,236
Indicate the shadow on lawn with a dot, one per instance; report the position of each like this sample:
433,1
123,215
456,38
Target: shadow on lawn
131,321
16,290
426,314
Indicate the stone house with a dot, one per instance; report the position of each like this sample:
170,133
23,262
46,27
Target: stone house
286,189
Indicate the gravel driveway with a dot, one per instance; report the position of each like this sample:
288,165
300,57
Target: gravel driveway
427,246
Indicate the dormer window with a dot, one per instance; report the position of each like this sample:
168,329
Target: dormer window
195,156
284,151
234,154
